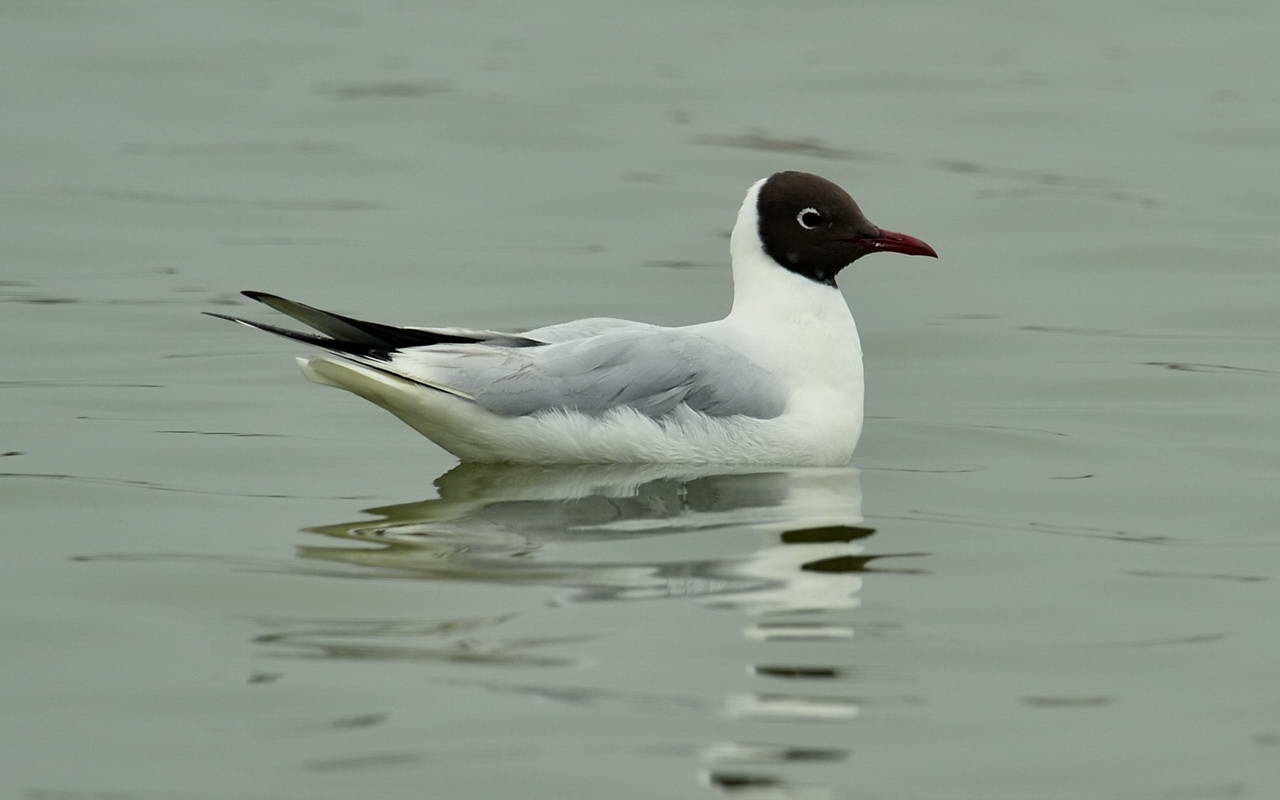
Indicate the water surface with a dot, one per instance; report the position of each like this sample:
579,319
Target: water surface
1049,573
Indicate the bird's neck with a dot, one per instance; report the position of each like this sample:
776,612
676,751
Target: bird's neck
798,328
763,290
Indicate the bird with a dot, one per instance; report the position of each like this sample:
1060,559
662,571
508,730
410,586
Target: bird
778,380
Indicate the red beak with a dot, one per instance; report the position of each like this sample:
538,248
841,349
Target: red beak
894,242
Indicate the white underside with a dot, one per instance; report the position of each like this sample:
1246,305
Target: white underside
621,436
801,331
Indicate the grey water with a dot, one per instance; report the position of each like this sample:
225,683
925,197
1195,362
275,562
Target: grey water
1052,570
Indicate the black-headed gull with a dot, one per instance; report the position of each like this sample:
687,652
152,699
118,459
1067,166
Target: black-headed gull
777,381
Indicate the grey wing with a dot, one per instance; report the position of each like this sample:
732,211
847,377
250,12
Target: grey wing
583,328
649,369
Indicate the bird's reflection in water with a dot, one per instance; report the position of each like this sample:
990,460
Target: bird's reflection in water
513,525
798,550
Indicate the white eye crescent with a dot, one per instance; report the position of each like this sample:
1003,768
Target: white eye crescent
809,218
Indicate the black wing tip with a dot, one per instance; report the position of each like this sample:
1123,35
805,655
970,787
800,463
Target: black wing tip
262,326
227,317
339,346
351,331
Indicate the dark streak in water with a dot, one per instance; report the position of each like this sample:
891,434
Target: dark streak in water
1067,701
815,148
259,678
461,652
112,419
800,672
316,241
1111,332
488,756
231,149
370,760
274,566
758,140
40,300
39,793
360,721
228,433
590,697
1187,366
78,385
294,626
357,640
861,564
771,707
1112,534
262,564
1195,638
1119,195
361,90
1009,428
863,674
218,354
216,299
256,565
1208,576
100,276
159,487
12,453
170,199
1072,477
678,263
732,782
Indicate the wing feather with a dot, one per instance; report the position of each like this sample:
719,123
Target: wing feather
649,369
591,366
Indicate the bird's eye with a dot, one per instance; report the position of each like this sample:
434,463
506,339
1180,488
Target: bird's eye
809,219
